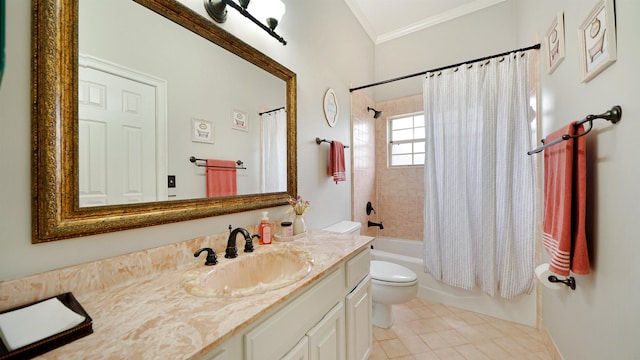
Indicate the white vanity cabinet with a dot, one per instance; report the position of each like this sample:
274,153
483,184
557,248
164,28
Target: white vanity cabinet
229,350
299,352
329,321
279,333
358,304
358,321
326,339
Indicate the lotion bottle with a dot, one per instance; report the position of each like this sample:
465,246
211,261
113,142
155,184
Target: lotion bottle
265,229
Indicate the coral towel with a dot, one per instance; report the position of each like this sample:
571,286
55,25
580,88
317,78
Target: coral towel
565,203
336,162
221,178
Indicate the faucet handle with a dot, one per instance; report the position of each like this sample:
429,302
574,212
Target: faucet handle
248,244
212,258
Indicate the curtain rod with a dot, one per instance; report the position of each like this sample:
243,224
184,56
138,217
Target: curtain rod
270,111
536,46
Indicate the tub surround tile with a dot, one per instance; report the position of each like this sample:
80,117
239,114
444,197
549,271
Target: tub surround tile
363,152
400,203
140,310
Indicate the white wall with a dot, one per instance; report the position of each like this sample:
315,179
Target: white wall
327,48
599,320
482,33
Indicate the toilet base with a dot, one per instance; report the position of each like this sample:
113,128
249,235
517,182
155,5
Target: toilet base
382,316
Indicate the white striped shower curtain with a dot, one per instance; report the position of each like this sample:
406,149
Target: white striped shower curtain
479,228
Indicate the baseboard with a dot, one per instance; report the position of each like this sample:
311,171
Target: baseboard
550,344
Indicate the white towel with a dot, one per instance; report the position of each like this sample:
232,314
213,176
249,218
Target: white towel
36,322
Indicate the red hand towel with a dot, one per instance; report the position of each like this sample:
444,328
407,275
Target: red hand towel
221,178
336,162
563,226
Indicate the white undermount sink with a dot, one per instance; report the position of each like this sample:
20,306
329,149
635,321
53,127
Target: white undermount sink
250,273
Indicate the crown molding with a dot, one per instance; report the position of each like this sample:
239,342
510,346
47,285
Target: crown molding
419,25
359,14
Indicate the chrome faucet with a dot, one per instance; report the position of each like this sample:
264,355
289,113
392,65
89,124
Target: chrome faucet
232,250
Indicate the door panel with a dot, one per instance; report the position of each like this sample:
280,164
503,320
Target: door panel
117,122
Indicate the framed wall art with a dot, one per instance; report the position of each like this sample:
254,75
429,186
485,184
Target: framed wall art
202,131
597,36
239,120
554,42
330,107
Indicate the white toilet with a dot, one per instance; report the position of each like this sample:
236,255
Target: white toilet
391,283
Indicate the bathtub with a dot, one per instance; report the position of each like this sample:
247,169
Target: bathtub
408,253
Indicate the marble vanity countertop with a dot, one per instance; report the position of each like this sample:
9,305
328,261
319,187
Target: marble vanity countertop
152,317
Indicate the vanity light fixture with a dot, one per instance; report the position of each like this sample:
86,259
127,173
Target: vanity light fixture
270,11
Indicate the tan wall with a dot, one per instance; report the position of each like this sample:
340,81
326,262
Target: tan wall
363,159
400,204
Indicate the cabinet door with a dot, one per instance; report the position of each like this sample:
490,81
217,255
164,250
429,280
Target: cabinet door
229,350
277,335
326,339
300,351
359,331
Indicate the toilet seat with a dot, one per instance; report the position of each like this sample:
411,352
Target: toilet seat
392,274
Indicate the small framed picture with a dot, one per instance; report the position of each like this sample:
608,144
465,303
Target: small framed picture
202,131
555,43
239,120
597,36
330,107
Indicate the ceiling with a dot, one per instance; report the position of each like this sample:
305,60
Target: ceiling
386,20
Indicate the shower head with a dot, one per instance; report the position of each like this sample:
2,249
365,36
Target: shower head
376,113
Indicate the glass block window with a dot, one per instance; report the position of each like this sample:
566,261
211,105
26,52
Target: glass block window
406,140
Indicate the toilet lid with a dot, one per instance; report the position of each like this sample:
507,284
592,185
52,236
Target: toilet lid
386,271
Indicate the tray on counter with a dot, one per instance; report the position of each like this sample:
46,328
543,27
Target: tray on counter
280,238
52,342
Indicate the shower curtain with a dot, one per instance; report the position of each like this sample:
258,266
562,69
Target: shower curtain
479,220
274,151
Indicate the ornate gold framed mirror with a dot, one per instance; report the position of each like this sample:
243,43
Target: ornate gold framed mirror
56,213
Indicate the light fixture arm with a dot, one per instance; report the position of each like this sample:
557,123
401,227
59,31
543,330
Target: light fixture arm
217,10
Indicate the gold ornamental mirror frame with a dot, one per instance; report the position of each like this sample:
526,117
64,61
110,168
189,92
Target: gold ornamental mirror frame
56,213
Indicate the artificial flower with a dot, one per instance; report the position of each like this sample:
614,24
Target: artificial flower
299,206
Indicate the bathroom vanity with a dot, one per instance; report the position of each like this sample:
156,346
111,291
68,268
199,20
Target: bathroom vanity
331,320
140,310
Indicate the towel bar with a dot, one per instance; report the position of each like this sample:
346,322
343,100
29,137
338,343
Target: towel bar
614,115
240,166
320,141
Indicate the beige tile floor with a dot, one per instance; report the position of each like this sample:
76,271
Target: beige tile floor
429,331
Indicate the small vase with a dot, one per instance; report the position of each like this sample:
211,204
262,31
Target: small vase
299,226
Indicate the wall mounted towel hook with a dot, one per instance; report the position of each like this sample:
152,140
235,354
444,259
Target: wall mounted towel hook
570,281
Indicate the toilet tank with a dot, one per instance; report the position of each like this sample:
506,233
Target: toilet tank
345,227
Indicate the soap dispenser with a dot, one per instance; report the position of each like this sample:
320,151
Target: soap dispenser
265,229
